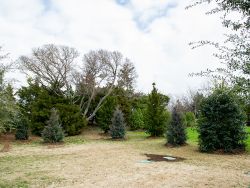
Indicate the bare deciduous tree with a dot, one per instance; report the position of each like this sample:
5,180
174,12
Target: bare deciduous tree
52,64
5,66
127,76
100,70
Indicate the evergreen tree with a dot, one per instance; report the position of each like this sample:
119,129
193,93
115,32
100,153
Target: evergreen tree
176,133
155,113
22,127
137,120
221,124
189,119
117,128
105,113
53,132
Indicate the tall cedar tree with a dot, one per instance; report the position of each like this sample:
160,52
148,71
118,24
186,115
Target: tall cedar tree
176,132
117,129
155,113
221,125
53,132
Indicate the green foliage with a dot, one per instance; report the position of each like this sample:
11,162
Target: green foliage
117,128
189,119
71,118
36,101
176,132
124,102
137,120
155,113
105,113
221,124
22,127
8,107
53,132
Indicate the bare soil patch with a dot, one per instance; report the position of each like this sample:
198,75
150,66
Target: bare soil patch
6,147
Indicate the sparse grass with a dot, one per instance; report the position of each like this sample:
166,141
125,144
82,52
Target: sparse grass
16,183
74,139
90,157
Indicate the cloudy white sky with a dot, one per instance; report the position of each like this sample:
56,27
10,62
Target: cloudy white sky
154,34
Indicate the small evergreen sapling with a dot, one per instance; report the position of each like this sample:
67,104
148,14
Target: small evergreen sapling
53,132
117,128
176,133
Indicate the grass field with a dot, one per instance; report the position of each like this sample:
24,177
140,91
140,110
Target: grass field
94,160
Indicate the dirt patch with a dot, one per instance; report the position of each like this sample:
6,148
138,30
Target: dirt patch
10,137
160,158
7,137
6,147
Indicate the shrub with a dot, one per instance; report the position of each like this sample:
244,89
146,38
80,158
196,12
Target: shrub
189,119
71,118
53,132
221,122
105,113
22,127
117,128
137,120
176,133
155,113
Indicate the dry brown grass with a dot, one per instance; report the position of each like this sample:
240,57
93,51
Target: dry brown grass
100,162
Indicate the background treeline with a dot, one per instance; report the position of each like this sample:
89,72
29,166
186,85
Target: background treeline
64,93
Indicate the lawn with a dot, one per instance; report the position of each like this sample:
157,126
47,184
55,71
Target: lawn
94,160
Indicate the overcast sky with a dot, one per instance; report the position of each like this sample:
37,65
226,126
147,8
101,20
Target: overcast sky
154,34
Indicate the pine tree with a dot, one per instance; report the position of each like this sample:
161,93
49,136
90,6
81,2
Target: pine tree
176,133
117,129
155,113
53,132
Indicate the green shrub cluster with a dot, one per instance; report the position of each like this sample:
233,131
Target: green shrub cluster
36,103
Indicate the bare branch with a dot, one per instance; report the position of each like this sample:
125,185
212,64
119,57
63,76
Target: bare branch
52,64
